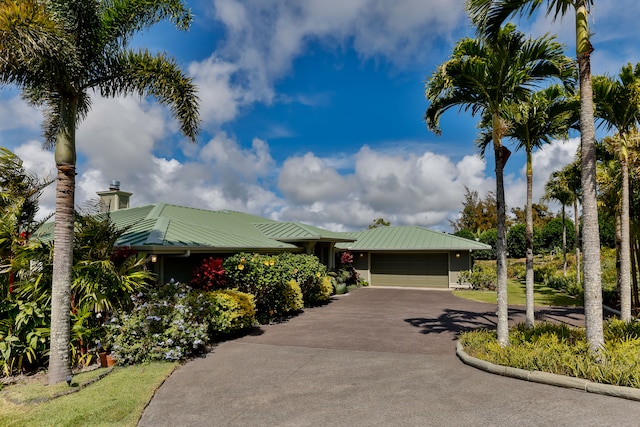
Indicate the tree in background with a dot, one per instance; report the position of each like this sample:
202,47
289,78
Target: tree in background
558,189
477,215
379,222
617,103
58,53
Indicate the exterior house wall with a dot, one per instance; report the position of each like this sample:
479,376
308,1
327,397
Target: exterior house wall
458,261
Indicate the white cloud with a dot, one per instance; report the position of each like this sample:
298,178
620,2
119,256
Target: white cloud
40,163
550,158
17,114
264,37
425,189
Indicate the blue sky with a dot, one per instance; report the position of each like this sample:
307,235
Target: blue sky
312,111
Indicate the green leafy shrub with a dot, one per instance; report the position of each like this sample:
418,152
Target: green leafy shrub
309,273
517,270
516,241
482,277
169,323
24,335
230,311
268,280
541,272
563,350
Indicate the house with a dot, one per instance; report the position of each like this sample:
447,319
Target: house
410,256
179,238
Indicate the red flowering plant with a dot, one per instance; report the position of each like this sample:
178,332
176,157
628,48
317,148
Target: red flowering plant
347,272
209,275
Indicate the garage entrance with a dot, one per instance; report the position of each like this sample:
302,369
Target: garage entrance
410,269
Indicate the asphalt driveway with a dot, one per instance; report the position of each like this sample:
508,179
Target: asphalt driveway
374,357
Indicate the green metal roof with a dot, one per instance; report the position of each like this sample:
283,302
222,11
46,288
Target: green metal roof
396,238
170,226
178,226
295,231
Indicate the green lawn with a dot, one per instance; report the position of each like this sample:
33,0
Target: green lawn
117,399
543,296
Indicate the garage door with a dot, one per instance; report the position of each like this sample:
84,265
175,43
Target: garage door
413,270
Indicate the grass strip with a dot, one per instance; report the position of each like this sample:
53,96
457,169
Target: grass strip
543,295
117,399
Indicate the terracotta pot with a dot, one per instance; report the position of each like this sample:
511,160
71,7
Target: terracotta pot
106,360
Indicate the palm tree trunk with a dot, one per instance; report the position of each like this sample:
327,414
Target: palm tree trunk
634,276
625,255
564,242
501,155
576,219
590,232
530,309
59,358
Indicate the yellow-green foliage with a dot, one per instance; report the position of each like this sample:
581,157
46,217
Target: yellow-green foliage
563,350
326,288
231,311
293,297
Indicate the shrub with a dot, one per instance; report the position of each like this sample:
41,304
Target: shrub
169,323
309,272
346,271
481,277
563,350
517,270
209,275
24,335
268,280
516,241
230,311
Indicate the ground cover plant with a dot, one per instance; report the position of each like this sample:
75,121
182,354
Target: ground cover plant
563,350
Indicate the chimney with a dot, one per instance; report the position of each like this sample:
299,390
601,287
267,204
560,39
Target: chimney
114,199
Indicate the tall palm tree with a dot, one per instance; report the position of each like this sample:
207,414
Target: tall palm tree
489,15
59,53
546,115
482,76
618,106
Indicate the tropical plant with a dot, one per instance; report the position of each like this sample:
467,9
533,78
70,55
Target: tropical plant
58,53
488,16
558,189
209,275
19,193
482,76
547,115
618,106
270,279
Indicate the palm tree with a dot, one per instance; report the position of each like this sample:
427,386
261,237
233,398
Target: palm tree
547,115
557,188
618,106
59,53
489,15
483,76
570,176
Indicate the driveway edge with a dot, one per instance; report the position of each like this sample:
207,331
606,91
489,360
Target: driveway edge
629,393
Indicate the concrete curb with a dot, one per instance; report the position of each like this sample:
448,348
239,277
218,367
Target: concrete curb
629,393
